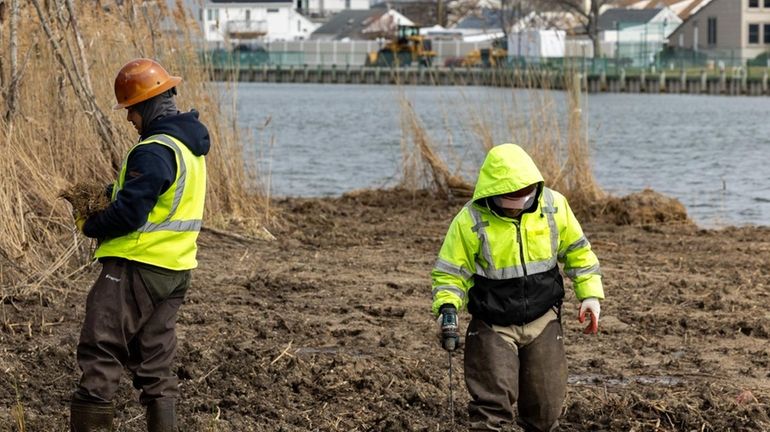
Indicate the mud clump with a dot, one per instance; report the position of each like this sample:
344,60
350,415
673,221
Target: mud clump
642,208
86,198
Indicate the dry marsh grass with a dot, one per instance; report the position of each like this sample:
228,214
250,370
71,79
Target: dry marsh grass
57,128
555,136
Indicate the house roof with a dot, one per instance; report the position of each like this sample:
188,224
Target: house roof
694,7
547,21
608,20
699,6
483,20
683,8
350,23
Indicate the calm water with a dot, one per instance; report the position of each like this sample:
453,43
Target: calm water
709,152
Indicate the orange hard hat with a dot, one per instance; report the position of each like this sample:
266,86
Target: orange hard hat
139,80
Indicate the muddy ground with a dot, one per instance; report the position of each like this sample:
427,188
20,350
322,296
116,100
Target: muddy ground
327,328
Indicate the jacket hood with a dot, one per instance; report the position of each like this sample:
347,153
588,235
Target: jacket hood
186,128
507,168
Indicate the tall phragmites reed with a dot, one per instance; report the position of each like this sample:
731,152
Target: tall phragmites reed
552,129
57,127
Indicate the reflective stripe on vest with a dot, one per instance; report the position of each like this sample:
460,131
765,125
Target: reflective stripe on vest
178,225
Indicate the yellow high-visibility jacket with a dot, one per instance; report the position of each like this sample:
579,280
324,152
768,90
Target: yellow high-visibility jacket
505,269
168,238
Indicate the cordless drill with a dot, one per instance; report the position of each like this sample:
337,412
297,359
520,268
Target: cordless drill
450,337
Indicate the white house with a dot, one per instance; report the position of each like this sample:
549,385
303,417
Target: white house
230,22
638,25
322,8
637,35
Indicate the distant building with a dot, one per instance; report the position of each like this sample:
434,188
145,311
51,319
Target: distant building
726,29
636,36
484,24
637,25
358,25
324,8
232,22
423,13
683,8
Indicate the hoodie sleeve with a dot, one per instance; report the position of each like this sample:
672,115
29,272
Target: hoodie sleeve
580,263
453,273
150,171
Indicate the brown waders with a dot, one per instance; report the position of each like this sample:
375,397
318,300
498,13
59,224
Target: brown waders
130,322
516,364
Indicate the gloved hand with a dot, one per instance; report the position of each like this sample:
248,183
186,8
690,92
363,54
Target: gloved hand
590,305
449,327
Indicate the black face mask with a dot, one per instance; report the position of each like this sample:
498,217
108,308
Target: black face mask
162,105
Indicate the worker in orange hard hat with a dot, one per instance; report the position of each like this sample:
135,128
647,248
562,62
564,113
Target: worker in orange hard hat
147,249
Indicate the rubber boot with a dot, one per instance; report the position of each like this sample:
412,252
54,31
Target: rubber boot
91,416
161,415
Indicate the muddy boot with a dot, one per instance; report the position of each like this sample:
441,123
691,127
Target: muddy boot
91,416
161,415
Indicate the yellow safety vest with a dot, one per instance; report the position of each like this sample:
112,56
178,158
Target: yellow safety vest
168,238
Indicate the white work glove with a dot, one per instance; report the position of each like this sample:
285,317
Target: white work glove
590,305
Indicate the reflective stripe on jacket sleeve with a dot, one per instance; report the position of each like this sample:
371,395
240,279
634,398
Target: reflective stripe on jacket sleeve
580,263
452,274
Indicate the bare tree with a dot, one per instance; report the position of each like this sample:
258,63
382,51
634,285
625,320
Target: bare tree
75,65
511,11
588,12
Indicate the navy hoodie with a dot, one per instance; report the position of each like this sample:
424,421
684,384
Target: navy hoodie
150,171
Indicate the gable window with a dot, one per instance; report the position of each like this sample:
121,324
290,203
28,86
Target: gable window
753,33
753,3
712,31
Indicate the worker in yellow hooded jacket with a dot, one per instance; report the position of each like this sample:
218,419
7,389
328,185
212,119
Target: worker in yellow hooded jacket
500,259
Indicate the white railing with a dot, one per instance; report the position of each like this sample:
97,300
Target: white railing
238,28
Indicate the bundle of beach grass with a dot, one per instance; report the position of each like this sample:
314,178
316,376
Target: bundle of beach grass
86,198
422,166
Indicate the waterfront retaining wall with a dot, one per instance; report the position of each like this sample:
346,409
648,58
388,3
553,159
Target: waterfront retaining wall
658,83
